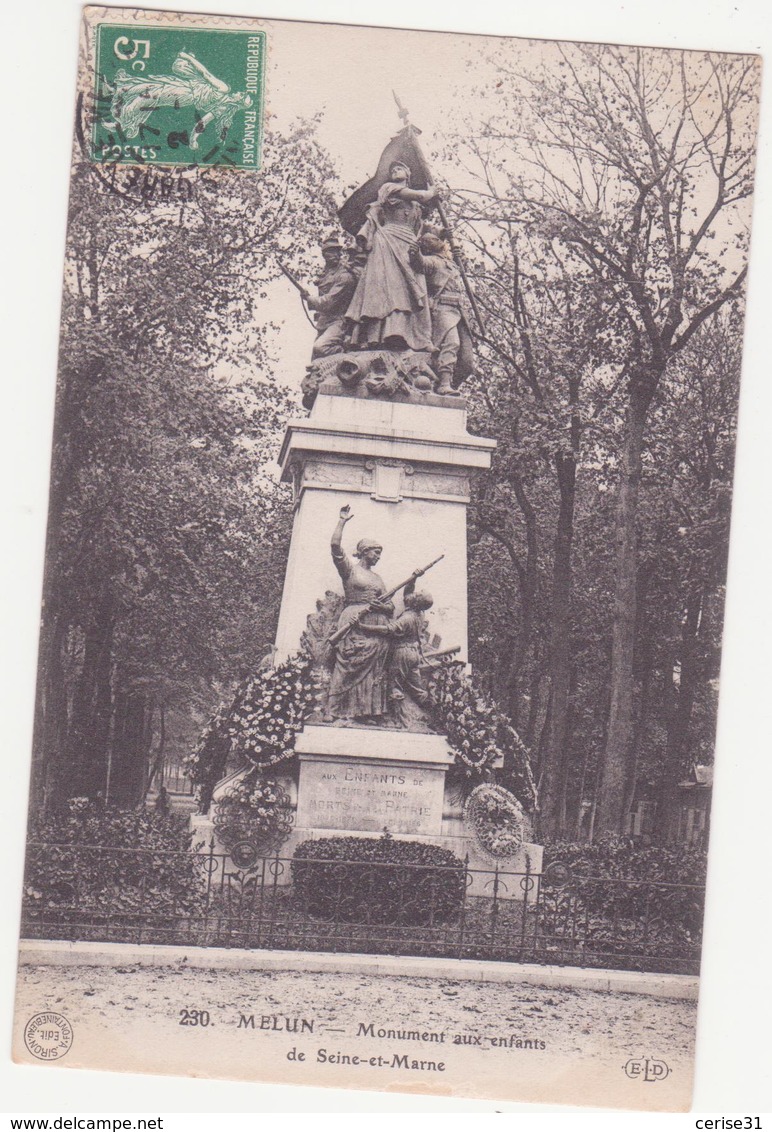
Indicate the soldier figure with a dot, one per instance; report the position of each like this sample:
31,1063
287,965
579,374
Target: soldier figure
335,288
450,311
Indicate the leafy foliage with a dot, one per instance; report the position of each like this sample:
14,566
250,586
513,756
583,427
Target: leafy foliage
605,218
167,539
377,880
619,880
99,863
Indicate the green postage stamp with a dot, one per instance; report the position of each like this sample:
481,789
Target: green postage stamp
178,96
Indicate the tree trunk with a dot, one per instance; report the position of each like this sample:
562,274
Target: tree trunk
610,815
146,770
578,813
537,753
87,740
50,713
680,718
528,600
133,739
553,799
49,745
534,707
638,738
155,772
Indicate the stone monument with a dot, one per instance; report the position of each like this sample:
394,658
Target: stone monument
380,469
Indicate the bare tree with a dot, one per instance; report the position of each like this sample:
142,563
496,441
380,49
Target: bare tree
640,163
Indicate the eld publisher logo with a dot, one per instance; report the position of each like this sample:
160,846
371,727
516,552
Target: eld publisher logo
647,1069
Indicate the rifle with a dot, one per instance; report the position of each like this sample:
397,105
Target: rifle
442,652
339,634
293,280
298,286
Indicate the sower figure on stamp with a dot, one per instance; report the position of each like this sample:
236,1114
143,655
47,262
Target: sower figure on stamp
406,659
450,311
335,288
358,686
192,86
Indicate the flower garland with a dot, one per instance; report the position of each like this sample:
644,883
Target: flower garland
270,711
478,732
466,718
259,724
497,820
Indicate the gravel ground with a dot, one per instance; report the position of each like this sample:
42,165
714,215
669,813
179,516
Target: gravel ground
509,1040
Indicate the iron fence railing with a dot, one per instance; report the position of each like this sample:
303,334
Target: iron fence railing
174,778
105,893
177,780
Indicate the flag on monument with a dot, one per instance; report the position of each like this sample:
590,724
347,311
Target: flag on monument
401,148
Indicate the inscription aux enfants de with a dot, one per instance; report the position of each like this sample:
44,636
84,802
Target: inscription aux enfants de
370,798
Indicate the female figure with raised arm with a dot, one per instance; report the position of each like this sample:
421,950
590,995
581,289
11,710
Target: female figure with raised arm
358,687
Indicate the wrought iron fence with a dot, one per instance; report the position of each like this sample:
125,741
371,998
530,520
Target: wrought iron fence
104,893
176,779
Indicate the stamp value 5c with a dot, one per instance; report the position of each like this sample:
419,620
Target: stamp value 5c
178,96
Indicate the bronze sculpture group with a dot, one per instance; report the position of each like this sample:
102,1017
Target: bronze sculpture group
378,660
393,316
397,290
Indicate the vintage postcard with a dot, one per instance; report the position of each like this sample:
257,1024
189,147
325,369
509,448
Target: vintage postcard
386,559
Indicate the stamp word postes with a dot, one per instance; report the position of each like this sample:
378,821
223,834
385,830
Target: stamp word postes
178,96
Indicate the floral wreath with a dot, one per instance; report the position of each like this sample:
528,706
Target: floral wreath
253,819
497,820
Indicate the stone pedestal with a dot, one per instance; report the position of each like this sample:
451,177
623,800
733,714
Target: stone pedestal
369,780
365,781
404,468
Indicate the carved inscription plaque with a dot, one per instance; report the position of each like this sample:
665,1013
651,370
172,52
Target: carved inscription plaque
337,794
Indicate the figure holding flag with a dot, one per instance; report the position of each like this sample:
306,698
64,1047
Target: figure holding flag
390,307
